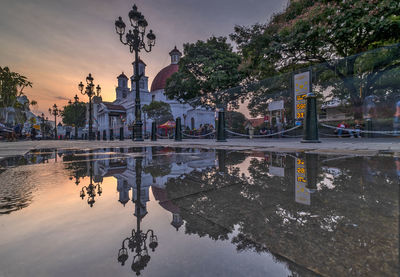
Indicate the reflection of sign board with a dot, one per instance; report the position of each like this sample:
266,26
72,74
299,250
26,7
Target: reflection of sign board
302,85
302,194
275,106
277,171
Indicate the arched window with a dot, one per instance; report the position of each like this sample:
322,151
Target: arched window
192,122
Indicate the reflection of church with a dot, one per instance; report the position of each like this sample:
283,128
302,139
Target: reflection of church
125,172
121,112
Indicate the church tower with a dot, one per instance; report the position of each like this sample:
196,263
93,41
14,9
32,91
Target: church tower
122,89
144,81
175,55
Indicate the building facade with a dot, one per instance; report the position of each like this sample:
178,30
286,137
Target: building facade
111,117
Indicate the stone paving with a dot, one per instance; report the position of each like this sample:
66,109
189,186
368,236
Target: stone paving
364,147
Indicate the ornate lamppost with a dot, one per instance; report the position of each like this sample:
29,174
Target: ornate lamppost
138,240
54,111
135,40
91,188
90,92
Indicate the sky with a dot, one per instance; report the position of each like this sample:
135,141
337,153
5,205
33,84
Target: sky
57,43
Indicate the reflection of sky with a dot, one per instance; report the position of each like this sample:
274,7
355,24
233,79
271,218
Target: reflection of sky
57,43
60,235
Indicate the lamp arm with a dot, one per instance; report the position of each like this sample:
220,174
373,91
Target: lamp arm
122,41
145,48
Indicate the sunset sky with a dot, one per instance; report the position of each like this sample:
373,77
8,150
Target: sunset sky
56,43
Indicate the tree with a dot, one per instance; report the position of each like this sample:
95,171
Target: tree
235,121
12,85
205,72
158,111
322,32
74,114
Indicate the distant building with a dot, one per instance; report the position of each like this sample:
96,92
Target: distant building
121,112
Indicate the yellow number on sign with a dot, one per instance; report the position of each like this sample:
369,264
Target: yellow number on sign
301,179
300,97
300,115
300,106
301,170
300,161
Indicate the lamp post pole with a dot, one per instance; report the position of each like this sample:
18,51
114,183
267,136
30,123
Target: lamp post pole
135,40
54,111
89,91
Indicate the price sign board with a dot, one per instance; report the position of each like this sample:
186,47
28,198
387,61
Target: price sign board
302,85
302,194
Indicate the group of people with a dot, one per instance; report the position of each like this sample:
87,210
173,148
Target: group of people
277,128
352,131
204,131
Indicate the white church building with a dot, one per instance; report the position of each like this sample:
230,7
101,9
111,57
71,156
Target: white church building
111,116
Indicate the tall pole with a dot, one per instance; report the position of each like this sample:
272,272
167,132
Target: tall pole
137,128
90,118
55,126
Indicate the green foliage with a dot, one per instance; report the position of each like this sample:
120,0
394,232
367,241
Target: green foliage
158,111
74,114
321,32
235,121
205,72
12,85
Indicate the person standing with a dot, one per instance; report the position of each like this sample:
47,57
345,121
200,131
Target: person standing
396,119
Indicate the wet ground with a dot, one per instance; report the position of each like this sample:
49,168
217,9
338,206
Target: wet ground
159,211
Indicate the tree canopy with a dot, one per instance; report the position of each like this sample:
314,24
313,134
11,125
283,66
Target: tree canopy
322,32
207,69
74,114
158,111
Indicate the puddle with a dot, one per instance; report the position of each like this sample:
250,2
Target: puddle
192,212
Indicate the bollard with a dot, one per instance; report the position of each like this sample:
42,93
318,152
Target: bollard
111,134
310,133
311,172
221,127
153,131
104,135
369,128
121,133
221,154
86,136
98,135
178,129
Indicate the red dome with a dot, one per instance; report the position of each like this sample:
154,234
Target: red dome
160,80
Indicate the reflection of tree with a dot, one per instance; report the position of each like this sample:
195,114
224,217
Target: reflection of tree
349,224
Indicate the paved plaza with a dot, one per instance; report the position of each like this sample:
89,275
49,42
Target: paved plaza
363,147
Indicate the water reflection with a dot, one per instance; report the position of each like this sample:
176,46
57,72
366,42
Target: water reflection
138,240
332,216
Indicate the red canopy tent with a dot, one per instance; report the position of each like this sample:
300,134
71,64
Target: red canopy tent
167,125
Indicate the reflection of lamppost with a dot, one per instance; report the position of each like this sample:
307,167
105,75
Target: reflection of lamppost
54,111
42,125
90,189
138,240
135,41
89,91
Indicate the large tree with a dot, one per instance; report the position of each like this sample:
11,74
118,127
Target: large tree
206,71
322,32
74,114
12,85
159,111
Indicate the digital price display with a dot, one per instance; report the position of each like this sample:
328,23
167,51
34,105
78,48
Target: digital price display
302,193
301,88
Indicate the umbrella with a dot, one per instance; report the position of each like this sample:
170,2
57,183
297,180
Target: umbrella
168,125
